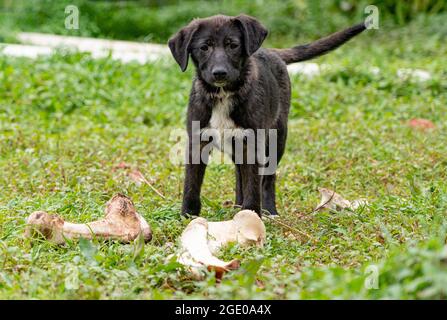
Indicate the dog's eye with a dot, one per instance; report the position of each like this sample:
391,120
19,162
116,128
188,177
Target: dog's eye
204,47
234,45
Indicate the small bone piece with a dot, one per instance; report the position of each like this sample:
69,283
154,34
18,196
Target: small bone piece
121,222
202,239
333,201
246,228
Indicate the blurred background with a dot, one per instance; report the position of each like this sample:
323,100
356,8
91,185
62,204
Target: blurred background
155,20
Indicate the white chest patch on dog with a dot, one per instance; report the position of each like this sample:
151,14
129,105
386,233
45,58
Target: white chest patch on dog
221,127
220,118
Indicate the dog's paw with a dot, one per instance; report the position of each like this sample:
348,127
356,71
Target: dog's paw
191,207
270,212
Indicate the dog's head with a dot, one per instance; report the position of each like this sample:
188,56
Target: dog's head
219,46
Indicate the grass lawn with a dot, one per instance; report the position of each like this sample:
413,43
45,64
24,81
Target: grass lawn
67,120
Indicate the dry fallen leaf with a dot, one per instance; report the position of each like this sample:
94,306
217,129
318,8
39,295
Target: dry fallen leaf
139,178
227,204
422,124
260,284
120,166
136,176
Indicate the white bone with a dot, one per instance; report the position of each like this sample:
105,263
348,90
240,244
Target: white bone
333,201
202,239
121,222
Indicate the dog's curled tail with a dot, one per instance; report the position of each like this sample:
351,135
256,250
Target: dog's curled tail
319,47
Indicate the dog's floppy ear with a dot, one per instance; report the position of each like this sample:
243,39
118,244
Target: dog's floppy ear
254,33
179,45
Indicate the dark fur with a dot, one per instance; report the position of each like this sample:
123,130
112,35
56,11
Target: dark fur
227,56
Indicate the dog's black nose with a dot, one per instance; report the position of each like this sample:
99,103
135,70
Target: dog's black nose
219,73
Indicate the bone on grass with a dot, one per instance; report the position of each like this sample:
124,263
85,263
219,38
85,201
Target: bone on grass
333,201
202,239
121,222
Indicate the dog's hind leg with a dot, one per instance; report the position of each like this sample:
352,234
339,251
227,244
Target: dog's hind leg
239,193
268,194
269,181
251,187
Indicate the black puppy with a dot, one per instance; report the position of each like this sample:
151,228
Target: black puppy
238,87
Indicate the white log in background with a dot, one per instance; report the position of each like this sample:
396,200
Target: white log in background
38,44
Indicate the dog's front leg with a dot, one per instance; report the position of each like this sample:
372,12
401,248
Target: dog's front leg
251,187
194,174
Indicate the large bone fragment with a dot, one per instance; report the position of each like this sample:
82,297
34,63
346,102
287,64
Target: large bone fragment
121,222
202,239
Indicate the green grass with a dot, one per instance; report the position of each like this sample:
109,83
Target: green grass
65,121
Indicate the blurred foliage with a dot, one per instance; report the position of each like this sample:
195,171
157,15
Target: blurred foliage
156,21
402,11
